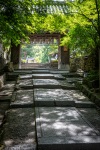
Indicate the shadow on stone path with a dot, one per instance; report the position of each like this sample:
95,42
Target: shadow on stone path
43,110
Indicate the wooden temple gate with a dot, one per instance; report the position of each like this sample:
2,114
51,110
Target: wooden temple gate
44,38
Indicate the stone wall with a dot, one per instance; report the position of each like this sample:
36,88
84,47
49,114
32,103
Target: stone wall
86,63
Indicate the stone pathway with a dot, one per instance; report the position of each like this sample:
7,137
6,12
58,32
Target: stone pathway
43,110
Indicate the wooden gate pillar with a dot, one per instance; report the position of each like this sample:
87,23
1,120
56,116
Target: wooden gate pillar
63,58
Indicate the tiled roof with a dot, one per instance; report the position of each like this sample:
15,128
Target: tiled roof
50,7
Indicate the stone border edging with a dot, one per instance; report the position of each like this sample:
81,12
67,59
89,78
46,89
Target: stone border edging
91,95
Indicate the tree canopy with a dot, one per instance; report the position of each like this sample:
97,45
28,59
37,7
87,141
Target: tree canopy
83,25
80,24
15,20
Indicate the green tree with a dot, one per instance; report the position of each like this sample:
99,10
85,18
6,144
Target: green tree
83,26
16,20
83,23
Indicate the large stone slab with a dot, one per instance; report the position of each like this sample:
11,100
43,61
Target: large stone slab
23,98
26,84
60,97
46,83
21,71
70,143
63,72
59,77
73,79
7,89
6,94
80,99
62,128
40,71
26,76
42,76
19,130
10,85
52,97
65,85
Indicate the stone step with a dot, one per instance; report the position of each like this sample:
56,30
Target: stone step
65,85
64,128
52,97
73,79
46,83
45,71
7,91
26,76
59,77
70,143
9,85
62,72
19,130
19,72
25,84
61,98
86,104
3,107
42,76
23,98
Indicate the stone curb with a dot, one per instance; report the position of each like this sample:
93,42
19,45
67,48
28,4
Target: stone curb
92,96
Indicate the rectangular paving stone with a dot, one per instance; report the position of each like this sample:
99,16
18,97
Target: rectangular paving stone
27,84
42,76
52,97
59,77
26,76
6,92
19,129
21,147
46,83
73,80
44,102
86,104
65,85
70,143
9,85
21,71
59,128
23,98
60,97
40,71
59,72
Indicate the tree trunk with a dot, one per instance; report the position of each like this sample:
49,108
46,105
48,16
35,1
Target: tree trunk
15,55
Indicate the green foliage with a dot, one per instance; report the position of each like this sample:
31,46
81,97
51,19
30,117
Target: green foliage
83,26
92,79
80,25
40,53
15,16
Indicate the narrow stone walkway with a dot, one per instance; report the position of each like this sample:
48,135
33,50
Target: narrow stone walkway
43,110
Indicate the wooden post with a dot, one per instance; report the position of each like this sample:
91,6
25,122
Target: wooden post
63,58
